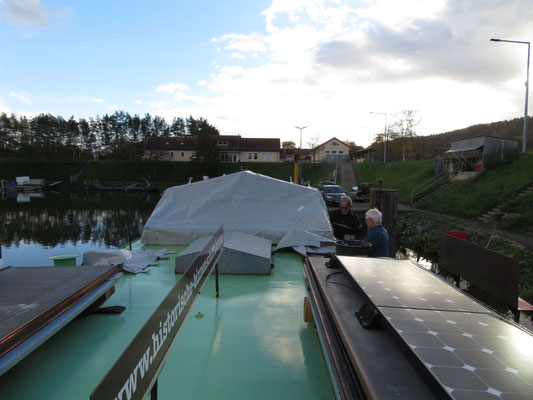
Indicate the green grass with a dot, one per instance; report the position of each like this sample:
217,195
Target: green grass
403,176
473,197
56,170
159,173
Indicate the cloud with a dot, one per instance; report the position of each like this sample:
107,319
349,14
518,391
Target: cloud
23,97
243,43
137,101
26,13
172,87
328,63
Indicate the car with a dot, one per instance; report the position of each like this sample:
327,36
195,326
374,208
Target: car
353,193
360,193
324,183
332,194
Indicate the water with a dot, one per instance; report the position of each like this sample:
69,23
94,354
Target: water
33,228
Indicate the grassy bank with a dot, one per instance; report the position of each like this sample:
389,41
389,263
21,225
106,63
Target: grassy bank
159,173
494,187
402,176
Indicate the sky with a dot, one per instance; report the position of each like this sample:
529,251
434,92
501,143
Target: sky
261,68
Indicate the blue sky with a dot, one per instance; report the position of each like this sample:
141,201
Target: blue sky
259,68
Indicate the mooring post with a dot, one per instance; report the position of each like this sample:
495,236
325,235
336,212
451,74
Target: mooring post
386,201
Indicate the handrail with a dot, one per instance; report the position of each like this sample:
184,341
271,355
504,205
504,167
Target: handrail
429,184
461,159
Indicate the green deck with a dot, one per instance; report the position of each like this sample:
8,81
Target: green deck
251,343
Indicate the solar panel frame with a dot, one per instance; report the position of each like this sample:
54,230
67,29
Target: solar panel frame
471,351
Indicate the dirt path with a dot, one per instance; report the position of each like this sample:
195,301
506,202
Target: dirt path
347,177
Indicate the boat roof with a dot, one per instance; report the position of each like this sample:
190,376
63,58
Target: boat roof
251,342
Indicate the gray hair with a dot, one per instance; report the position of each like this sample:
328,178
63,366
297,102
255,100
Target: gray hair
374,214
346,200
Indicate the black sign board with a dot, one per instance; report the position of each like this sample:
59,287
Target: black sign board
138,367
492,272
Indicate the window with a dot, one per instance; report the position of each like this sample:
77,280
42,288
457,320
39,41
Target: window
182,154
222,143
264,156
255,156
334,144
327,151
333,151
171,154
270,156
341,151
161,153
249,156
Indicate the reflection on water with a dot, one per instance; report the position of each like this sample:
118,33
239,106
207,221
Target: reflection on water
62,223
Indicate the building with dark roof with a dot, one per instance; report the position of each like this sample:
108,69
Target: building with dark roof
231,148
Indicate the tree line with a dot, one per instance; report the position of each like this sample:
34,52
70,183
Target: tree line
117,136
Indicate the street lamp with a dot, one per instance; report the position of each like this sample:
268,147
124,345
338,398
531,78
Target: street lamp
301,128
524,132
385,138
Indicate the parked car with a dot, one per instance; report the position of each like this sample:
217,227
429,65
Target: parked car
324,183
353,193
360,193
332,194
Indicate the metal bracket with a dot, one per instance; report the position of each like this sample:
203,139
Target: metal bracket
368,316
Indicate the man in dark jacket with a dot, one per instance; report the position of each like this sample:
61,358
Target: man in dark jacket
346,224
377,235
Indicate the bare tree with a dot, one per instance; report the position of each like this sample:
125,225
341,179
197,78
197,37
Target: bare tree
404,130
313,141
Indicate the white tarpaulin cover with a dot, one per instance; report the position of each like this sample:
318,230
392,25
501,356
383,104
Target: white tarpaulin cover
244,201
305,243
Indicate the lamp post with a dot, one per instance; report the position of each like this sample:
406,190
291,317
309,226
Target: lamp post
301,128
385,137
297,173
524,131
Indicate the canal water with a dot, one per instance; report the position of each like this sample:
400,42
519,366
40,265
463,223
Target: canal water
34,227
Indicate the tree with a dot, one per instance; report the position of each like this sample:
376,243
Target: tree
195,126
313,141
353,148
206,155
177,128
404,130
289,144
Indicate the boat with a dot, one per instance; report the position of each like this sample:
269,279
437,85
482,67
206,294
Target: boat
120,187
315,326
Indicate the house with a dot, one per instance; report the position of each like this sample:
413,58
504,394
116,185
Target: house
364,154
332,151
473,154
231,148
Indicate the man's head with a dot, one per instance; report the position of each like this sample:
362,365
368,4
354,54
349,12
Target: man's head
372,218
345,205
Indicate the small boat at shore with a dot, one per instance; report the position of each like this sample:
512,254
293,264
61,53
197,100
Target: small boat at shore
120,187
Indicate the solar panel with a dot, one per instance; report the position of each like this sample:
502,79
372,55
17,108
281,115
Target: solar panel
470,351
396,283
471,355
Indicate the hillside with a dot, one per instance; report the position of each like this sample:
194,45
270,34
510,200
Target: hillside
465,199
431,146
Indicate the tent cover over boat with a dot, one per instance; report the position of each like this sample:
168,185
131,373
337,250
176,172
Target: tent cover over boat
244,201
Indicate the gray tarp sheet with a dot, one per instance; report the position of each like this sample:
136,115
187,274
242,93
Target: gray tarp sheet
244,201
134,261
